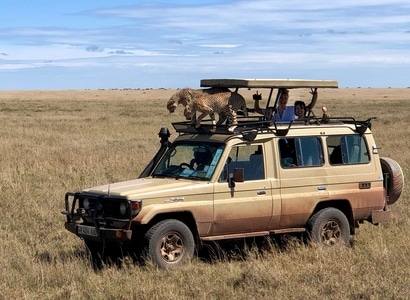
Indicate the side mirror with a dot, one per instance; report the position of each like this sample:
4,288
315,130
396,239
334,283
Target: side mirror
238,176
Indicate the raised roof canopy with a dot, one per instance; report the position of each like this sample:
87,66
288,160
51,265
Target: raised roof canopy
269,83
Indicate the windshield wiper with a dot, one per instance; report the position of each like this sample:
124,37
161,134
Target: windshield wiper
169,175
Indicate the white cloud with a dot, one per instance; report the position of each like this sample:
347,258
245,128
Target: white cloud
219,46
259,35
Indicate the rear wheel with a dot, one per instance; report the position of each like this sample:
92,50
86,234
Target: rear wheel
329,227
169,243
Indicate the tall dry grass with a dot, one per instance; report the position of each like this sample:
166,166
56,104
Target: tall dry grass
53,142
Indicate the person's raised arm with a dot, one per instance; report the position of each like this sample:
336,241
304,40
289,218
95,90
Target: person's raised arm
314,99
256,98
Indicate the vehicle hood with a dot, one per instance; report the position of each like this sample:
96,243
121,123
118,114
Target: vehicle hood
148,187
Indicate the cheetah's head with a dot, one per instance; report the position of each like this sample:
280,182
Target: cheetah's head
182,97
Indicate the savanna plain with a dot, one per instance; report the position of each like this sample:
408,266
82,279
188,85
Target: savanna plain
58,141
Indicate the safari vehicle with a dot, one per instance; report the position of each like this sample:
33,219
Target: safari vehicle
322,177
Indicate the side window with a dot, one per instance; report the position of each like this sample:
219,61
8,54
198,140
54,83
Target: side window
301,152
287,153
309,152
248,157
347,150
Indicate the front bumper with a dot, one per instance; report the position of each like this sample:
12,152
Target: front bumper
100,222
106,234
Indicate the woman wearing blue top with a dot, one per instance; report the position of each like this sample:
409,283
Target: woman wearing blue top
283,112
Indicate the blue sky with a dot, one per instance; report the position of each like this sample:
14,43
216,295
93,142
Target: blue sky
91,44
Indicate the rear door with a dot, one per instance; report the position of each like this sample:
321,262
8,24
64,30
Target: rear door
303,178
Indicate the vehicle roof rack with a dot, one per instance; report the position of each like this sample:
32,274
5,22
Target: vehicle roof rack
207,126
258,125
360,126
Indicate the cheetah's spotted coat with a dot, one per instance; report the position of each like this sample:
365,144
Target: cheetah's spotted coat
208,102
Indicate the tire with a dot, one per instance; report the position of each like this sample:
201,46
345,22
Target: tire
329,227
395,180
101,254
95,252
169,243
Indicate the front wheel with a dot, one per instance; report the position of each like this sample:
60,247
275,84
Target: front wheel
169,243
329,227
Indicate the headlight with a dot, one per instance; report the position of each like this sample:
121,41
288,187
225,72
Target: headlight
86,203
123,208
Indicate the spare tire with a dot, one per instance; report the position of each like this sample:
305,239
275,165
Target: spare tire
393,179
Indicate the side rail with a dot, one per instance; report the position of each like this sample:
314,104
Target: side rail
361,126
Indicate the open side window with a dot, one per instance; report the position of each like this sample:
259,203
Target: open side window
246,157
347,150
301,152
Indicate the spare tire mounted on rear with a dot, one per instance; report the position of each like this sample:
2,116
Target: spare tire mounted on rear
393,179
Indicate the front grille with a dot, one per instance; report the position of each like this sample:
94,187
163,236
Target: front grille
101,211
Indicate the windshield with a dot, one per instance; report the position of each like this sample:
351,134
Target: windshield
190,160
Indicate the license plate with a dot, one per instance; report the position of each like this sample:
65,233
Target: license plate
87,230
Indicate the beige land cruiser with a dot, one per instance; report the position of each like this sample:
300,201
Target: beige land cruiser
323,177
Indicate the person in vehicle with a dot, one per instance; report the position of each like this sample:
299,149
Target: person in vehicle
267,113
202,159
326,115
283,111
300,110
287,153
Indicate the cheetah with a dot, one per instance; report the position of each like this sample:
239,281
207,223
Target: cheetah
208,102
185,96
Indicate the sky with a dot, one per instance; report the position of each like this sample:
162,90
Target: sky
106,44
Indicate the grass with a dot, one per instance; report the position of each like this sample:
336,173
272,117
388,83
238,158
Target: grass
58,141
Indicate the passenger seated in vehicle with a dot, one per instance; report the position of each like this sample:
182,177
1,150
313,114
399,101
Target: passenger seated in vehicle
287,153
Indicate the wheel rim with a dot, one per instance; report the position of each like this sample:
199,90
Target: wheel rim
172,247
331,233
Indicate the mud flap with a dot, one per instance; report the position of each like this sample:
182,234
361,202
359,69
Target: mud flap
379,216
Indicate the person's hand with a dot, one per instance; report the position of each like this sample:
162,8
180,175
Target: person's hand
313,91
257,96
326,115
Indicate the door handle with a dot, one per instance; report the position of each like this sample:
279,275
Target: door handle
261,192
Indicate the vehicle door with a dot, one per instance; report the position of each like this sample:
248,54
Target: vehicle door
353,173
303,178
246,207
